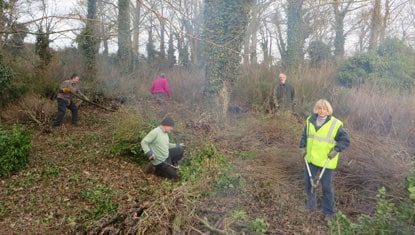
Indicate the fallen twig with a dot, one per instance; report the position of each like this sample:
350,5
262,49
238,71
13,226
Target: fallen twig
209,227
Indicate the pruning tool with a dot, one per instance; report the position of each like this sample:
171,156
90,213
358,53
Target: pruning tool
314,184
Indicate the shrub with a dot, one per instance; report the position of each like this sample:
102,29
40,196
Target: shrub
389,218
391,65
15,145
206,162
129,130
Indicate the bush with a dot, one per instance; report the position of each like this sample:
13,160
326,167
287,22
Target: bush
15,145
129,130
391,65
206,161
388,218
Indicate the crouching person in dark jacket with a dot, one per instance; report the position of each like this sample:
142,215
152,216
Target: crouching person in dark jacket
164,156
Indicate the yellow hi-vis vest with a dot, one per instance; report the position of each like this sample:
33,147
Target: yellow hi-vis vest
321,142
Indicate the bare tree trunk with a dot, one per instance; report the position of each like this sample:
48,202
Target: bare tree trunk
375,25
254,42
280,39
162,31
136,32
253,31
246,48
1,22
385,20
124,35
191,24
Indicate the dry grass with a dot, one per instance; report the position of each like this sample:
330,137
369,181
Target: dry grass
30,109
382,114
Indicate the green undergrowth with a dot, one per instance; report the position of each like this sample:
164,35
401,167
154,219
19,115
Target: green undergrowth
208,165
15,145
388,218
254,225
100,198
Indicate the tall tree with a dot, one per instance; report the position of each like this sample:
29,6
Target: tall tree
225,24
375,25
151,51
171,58
88,41
162,54
2,22
124,36
339,15
295,35
136,30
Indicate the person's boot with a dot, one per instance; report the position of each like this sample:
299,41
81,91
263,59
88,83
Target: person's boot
149,168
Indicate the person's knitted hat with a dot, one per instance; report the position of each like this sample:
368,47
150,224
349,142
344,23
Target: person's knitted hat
167,121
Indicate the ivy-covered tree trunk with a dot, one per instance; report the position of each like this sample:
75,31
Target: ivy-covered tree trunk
42,48
339,40
124,36
89,43
225,25
295,35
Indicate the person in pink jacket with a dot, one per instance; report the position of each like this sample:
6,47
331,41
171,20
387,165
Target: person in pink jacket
160,87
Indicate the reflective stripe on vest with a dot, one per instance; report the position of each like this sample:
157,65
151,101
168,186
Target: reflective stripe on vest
328,138
321,142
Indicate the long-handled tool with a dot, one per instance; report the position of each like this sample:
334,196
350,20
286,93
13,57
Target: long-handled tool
315,184
310,177
175,167
93,103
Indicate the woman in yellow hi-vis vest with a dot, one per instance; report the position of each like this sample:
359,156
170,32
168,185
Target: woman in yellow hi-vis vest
323,139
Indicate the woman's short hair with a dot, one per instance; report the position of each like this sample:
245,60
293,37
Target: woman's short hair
324,104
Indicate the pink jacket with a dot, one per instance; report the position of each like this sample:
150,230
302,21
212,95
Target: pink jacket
160,86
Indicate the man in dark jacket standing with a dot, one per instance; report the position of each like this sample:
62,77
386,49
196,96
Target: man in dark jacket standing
284,94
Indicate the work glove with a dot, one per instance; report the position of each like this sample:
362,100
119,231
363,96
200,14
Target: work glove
182,145
332,154
302,151
66,90
150,155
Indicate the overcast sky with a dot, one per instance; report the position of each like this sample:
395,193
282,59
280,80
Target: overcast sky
54,8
